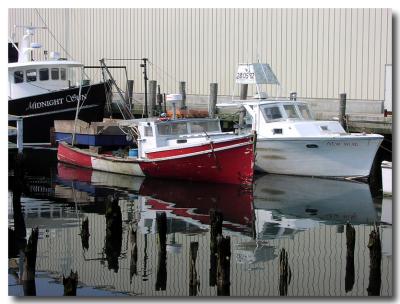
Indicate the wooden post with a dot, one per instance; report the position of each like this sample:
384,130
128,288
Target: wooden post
193,280
113,240
70,284
182,91
216,219
159,99
285,274
152,97
134,250
85,234
212,101
165,102
342,110
20,135
129,93
28,275
350,243
243,91
161,281
375,256
223,265
18,184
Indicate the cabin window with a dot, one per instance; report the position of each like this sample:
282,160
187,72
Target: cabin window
148,131
272,112
63,73
305,112
205,126
291,111
55,75
178,128
31,75
18,77
44,74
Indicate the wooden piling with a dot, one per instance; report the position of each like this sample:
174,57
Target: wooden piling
182,91
216,219
20,135
285,273
212,101
350,244
85,234
159,99
243,91
129,93
375,256
134,250
152,97
161,279
113,241
70,284
29,268
223,265
342,111
193,280
165,102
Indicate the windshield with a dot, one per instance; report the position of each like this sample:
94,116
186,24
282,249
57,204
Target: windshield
305,112
205,126
291,111
185,127
272,112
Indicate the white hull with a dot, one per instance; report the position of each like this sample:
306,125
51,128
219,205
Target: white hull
386,178
343,156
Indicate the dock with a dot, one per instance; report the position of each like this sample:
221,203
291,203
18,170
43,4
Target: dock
361,116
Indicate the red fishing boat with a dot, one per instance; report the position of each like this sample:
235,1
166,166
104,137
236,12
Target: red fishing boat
189,149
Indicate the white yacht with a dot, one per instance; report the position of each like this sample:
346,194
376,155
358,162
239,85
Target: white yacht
290,141
41,91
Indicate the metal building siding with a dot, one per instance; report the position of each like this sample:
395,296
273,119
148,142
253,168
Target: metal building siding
317,52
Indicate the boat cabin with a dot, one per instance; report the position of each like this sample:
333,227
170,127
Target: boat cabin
28,77
156,134
39,77
286,118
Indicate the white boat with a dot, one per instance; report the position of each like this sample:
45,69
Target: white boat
290,141
386,168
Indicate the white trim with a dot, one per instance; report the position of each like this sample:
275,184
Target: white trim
57,111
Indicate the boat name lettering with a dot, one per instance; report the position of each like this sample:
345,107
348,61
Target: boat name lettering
346,144
43,104
75,97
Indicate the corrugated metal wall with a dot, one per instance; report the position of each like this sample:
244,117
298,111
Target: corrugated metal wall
317,52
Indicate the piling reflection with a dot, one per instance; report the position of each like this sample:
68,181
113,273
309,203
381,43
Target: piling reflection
113,241
306,217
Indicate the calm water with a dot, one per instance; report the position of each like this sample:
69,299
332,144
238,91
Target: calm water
304,216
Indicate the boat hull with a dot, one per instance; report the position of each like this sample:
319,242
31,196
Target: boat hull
231,163
40,111
349,156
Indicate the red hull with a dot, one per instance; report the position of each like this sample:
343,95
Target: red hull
227,162
231,165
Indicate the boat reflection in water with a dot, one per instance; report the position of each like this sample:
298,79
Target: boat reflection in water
305,216
278,206
285,204
183,201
